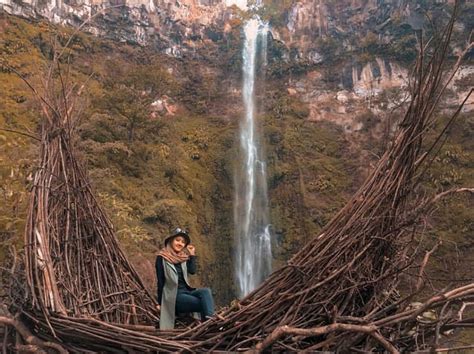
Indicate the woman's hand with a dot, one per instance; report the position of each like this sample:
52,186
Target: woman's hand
191,250
158,308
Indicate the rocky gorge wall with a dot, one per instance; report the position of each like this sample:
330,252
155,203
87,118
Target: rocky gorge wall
297,23
365,46
136,21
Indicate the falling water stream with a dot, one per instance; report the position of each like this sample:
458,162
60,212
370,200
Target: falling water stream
253,238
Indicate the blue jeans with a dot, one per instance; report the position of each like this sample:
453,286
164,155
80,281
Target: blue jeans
198,300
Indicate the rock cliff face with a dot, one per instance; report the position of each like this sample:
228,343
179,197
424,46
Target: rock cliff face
178,26
357,49
335,56
300,22
140,21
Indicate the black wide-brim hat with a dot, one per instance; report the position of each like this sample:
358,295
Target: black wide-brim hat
178,232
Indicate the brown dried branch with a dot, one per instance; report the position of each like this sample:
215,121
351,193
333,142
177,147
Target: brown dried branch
439,196
318,331
21,133
440,350
423,265
26,334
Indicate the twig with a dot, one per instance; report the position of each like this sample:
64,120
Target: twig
309,332
28,336
21,133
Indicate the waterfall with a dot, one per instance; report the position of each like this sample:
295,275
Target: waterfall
252,228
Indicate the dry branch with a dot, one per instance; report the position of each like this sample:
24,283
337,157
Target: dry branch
74,264
28,337
335,327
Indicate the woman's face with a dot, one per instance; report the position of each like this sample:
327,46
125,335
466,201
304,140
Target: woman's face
178,243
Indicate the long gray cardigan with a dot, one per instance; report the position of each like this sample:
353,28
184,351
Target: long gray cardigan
169,293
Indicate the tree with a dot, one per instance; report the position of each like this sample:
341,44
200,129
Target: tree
131,104
130,90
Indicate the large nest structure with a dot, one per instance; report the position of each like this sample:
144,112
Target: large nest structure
74,265
338,293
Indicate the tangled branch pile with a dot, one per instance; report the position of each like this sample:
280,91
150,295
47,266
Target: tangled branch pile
74,264
338,293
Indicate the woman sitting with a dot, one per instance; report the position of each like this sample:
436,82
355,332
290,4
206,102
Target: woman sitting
175,295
